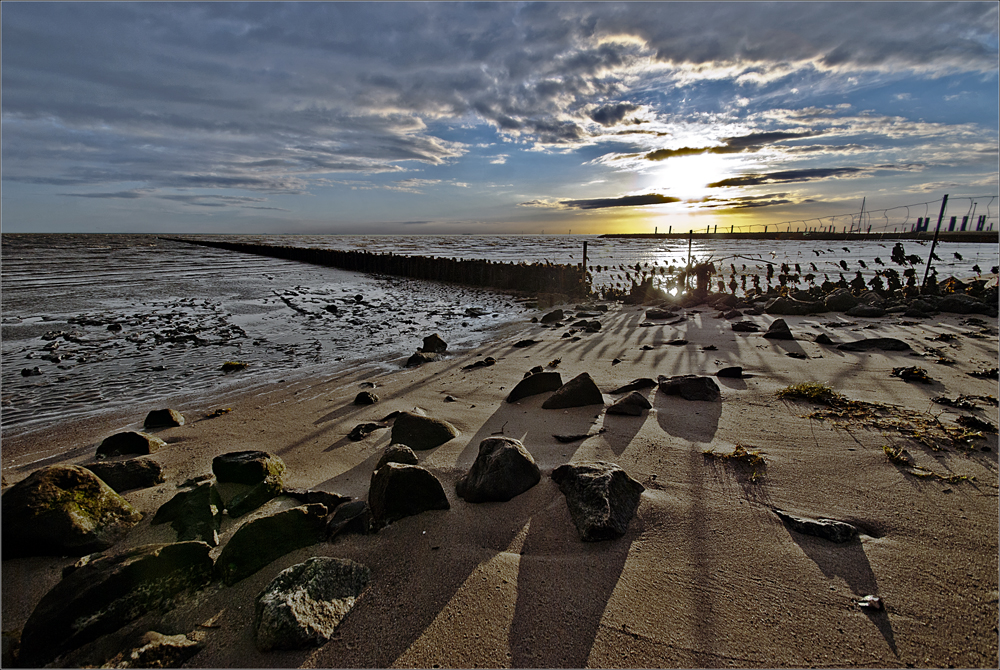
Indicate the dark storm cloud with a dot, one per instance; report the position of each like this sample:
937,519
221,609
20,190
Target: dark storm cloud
731,145
624,201
611,115
790,176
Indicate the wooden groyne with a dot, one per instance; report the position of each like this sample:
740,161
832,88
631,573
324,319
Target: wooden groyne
980,237
512,277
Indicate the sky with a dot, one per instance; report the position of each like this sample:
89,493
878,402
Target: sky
490,118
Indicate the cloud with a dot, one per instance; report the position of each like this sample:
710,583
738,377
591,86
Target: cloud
789,176
612,115
731,145
624,201
500,159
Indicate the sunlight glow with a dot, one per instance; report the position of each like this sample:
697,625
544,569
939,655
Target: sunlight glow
688,177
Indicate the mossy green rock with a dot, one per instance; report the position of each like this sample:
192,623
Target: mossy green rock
109,592
63,510
261,541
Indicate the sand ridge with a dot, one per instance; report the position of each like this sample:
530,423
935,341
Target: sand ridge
706,575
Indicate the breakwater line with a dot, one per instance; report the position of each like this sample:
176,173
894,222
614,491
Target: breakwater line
570,280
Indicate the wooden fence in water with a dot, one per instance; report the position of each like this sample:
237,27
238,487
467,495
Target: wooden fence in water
516,277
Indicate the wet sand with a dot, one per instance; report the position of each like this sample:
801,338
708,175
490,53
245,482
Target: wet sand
706,576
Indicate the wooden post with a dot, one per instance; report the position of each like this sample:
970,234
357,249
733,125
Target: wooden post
944,203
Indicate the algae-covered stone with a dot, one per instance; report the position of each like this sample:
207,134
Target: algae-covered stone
63,510
109,592
261,541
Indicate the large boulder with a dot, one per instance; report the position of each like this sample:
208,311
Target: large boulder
634,404
109,592
779,330
195,514
577,392
163,418
840,300
399,490
421,432
601,497
134,473
397,453
63,510
129,442
690,387
262,540
540,382
503,469
248,479
433,344
305,603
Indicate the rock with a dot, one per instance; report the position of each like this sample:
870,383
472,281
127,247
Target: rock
158,651
433,344
421,432
520,344
129,442
535,384
690,387
196,514
793,307
30,372
260,541
823,338
247,467
659,314
365,398
311,496
879,343
871,603
601,497
305,603
634,385
732,314
503,469
745,327
260,474
331,308
485,363
399,490
577,392
350,517
679,342
108,593
163,418
363,430
840,300
866,311
872,299
63,510
420,358
134,473
959,303
829,529
397,453
779,330
734,372
593,327
553,316
634,404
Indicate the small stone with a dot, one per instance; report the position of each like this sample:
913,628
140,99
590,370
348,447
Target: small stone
433,344
365,398
577,392
363,430
397,453
634,404
163,418
129,442
779,330
734,372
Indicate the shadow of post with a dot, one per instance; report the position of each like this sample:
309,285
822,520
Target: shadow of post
692,420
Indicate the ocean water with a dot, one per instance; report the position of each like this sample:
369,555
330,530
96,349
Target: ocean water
130,321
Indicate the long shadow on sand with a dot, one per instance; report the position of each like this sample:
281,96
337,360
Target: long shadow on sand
848,562
692,420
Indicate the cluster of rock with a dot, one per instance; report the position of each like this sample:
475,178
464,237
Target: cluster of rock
433,347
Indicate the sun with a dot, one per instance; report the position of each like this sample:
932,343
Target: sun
688,177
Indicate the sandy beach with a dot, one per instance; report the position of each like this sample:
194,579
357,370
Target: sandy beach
707,575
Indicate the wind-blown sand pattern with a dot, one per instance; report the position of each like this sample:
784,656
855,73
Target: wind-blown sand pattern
707,574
